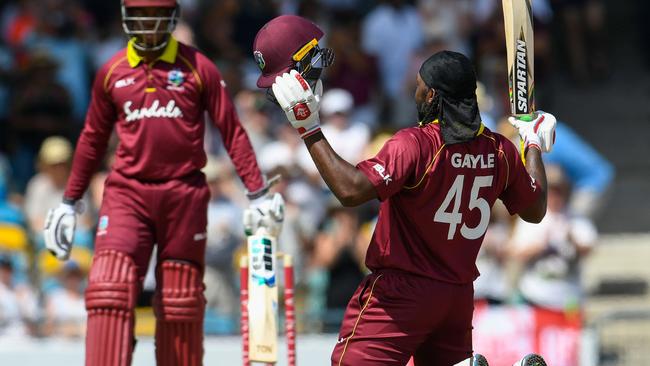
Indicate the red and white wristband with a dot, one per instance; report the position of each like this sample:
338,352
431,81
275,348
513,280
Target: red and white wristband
306,132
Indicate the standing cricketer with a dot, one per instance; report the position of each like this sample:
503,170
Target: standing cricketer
436,183
155,93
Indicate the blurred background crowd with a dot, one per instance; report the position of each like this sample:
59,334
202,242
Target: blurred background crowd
50,49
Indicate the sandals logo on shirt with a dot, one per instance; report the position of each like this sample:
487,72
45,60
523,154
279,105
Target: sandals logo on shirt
156,110
175,79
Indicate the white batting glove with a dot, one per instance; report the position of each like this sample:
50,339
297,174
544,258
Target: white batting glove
539,132
266,212
299,102
59,229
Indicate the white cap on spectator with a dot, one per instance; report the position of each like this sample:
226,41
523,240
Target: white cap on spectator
275,154
337,101
55,150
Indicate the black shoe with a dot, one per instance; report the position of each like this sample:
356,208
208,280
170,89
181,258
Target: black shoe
479,360
531,360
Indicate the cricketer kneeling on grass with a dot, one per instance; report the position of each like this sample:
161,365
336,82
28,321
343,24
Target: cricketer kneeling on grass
436,182
155,93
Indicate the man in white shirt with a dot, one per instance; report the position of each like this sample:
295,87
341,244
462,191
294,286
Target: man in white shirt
348,138
393,32
552,250
18,306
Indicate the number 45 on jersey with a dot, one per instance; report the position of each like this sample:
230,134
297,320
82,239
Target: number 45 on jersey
455,216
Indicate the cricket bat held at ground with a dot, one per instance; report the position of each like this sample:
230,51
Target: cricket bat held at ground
262,299
259,302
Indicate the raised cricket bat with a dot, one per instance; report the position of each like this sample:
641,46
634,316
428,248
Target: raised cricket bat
262,298
518,21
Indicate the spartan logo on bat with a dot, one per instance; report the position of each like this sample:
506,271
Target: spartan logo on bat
259,58
521,77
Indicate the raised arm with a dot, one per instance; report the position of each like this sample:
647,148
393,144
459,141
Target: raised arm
379,177
536,211
348,183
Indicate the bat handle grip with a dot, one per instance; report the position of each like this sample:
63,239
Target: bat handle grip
526,117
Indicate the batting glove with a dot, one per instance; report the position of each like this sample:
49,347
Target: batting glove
59,229
539,132
299,102
266,212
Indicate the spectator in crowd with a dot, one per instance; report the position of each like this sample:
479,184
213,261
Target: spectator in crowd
46,188
492,286
58,34
354,70
255,119
336,254
252,15
348,137
40,107
551,252
343,5
448,21
18,306
65,311
584,31
216,30
6,67
591,175
109,40
10,213
392,32
19,21
284,151
225,233
486,106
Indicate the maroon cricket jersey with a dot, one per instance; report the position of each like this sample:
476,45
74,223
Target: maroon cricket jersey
158,110
436,200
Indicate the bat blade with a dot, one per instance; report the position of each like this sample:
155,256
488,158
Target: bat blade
518,24
262,299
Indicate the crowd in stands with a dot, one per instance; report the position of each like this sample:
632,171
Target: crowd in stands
50,49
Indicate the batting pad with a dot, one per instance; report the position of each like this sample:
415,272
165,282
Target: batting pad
110,299
179,306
